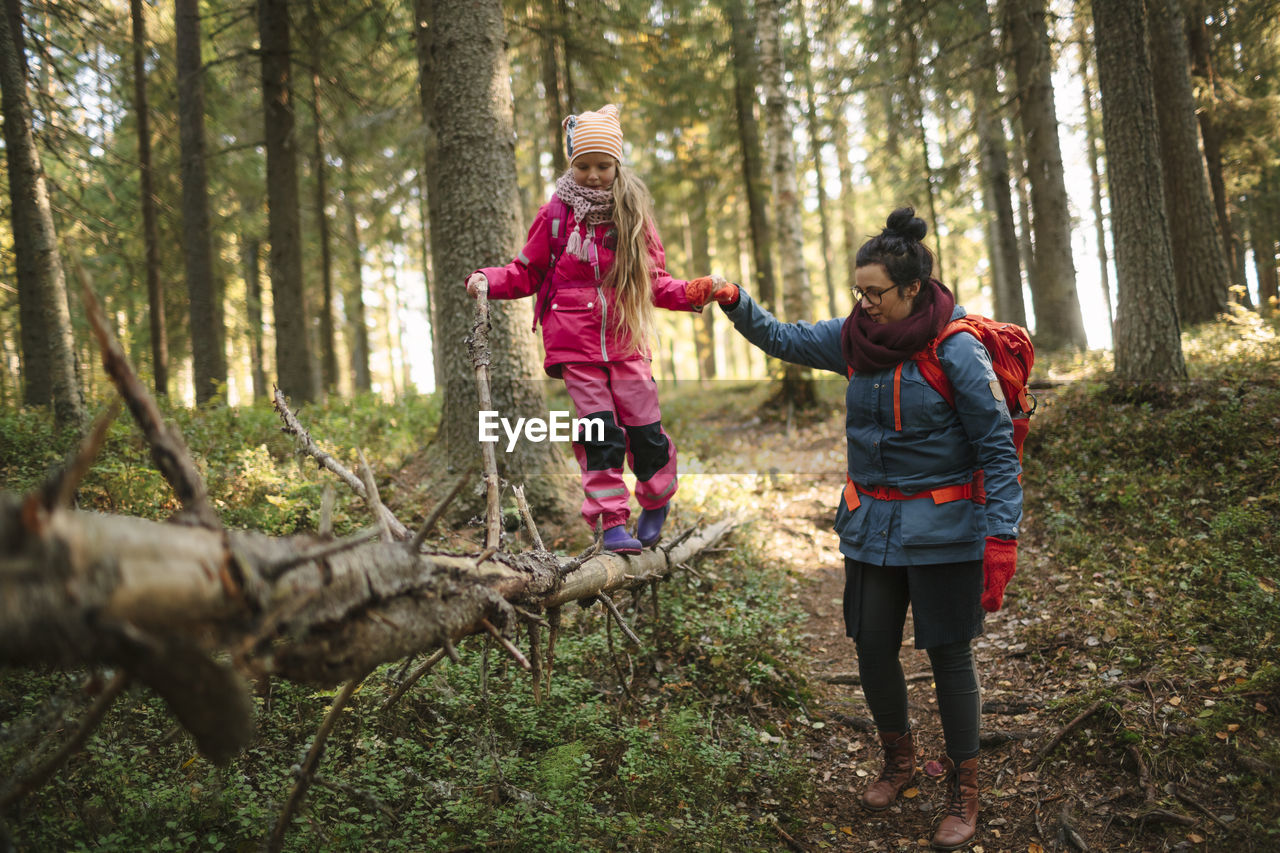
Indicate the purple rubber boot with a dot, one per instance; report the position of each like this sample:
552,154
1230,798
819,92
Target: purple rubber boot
619,541
649,527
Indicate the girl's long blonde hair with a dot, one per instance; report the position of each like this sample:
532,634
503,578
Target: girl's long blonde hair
632,270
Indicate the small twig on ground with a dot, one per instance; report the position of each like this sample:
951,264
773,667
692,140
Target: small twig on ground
1182,794
356,794
485,555
436,512
1166,816
553,633
1144,775
1067,830
414,677
523,506
44,772
680,537
507,644
790,842
613,611
306,772
1049,747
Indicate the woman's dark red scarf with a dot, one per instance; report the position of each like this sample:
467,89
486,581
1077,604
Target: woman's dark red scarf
870,346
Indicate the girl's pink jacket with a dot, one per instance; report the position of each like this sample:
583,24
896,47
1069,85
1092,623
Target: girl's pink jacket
574,308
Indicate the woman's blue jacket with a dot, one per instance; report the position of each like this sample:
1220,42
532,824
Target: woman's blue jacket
937,445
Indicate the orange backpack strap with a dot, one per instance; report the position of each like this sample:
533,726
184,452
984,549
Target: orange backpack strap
931,368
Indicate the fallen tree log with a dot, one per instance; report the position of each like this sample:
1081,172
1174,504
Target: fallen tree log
81,588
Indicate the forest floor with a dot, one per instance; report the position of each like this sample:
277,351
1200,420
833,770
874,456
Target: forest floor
1145,766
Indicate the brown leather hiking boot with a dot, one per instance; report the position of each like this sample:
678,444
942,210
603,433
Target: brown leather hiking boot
961,822
898,771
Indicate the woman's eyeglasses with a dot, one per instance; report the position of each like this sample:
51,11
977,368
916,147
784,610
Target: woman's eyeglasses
873,297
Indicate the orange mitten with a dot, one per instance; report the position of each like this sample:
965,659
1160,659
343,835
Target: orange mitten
699,290
726,294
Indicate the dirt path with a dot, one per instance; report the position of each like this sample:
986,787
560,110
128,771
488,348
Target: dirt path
1023,808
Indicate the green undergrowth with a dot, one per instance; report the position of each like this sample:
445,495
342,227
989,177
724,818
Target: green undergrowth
255,477
1156,510
679,744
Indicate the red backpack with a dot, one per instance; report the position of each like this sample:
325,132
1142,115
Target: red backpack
1011,355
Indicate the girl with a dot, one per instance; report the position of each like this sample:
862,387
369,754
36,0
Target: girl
596,265
929,515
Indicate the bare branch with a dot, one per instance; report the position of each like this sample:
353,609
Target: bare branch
436,512
528,517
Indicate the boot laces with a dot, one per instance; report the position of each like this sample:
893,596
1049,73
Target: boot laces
955,803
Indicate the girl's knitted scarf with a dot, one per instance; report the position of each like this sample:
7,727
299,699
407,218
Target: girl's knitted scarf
870,346
590,206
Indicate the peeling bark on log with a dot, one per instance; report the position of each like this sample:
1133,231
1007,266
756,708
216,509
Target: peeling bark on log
79,588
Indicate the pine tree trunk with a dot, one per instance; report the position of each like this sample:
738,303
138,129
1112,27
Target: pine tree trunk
1199,260
294,368
209,364
475,214
251,252
353,301
48,345
1211,132
1059,323
744,92
1095,177
328,343
848,204
997,198
813,123
151,248
700,259
1148,343
551,28
797,382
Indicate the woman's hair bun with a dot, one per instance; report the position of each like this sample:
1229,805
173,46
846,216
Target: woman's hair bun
903,222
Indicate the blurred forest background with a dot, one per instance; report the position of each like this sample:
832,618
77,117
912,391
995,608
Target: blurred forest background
248,187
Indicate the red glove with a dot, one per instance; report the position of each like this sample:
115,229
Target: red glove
999,562
726,294
699,290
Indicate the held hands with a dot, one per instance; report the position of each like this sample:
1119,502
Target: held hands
708,287
477,282
999,562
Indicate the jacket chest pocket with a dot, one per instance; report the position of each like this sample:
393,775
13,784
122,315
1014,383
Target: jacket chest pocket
923,407
576,300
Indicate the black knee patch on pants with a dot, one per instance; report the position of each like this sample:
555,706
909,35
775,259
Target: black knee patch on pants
606,451
650,450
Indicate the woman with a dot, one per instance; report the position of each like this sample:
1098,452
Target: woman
949,556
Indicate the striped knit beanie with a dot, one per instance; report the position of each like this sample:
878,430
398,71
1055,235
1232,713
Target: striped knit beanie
592,132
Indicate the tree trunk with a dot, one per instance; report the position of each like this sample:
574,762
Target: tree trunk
209,362
328,342
1211,132
353,300
813,122
251,251
744,93
1148,343
700,259
48,345
294,368
1095,177
475,213
797,382
997,199
1059,323
848,204
1200,264
146,195
552,27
